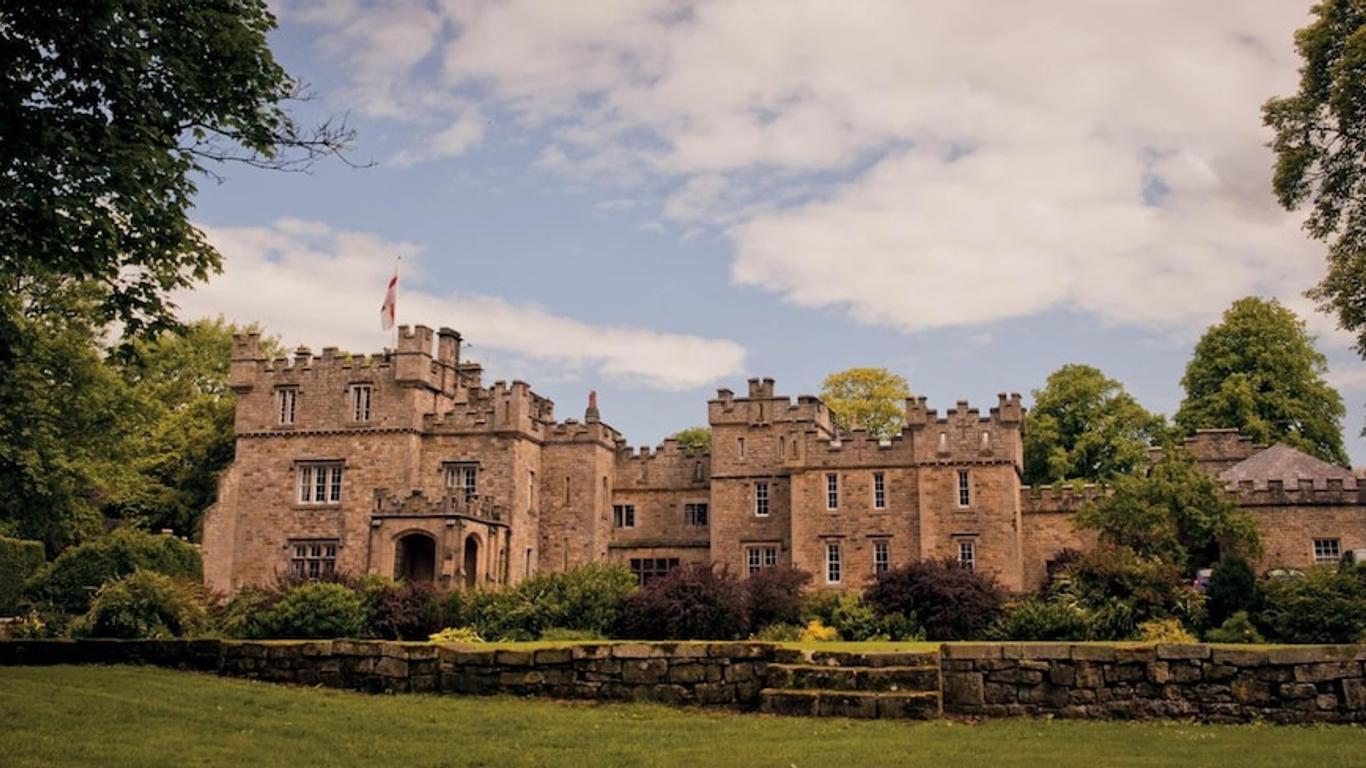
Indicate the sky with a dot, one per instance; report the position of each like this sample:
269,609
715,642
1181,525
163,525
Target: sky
654,199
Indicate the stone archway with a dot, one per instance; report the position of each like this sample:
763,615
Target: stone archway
471,562
415,557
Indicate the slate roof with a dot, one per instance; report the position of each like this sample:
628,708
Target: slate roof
1289,465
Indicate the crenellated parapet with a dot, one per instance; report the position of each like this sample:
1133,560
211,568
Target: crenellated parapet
964,434
762,407
501,407
452,503
1328,492
1066,498
670,464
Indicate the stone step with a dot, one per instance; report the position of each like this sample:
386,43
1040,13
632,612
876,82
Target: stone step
816,676
921,705
851,659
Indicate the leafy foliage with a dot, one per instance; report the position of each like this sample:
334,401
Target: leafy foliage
321,610
1321,152
67,583
1035,618
1084,426
694,438
1232,589
587,598
1118,590
400,611
1324,606
775,596
19,560
1176,513
872,398
458,635
145,604
691,602
1164,631
950,602
1237,628
816,631
1258,370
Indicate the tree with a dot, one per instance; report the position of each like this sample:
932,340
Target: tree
1084,426
694,438
871,398
1176,514
1320,145
110,109
1257,370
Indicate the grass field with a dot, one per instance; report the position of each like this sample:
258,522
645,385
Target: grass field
131,716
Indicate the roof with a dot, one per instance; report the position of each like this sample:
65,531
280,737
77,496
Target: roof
1290,466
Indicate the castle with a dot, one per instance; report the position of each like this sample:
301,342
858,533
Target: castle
405,464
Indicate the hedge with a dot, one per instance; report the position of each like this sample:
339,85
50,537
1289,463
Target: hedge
19,560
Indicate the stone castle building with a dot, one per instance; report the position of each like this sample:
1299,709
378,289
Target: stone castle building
406,464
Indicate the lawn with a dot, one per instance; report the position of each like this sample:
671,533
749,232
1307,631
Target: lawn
113,716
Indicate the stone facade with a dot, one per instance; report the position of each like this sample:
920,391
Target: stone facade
406,464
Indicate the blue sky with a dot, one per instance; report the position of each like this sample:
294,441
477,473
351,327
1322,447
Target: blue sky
656,199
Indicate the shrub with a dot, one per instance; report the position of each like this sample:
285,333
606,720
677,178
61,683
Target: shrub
456,635
322,610
560,633
587,598
1164,631
1034,618
144,604
775,596
1232,589
1323,606
854,618
400,611
1237,628
1118,591
779,633
498,615
244,616
691,602
816,632
68,583
951,602
19,560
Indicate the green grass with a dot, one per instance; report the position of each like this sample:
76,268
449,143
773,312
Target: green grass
116,716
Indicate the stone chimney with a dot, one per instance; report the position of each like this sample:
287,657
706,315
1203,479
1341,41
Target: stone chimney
591,414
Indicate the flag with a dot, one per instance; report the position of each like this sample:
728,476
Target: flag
386,310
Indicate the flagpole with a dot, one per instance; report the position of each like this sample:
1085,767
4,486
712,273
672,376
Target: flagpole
397,262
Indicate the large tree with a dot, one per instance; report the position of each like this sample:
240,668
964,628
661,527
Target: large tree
1084,426
1320,144
871,398
1258,370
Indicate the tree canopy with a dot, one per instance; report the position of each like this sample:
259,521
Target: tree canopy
871,398
1258,370
694,438
1320,144
1084,426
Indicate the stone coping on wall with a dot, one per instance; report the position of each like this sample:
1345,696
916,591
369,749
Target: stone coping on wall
1214,683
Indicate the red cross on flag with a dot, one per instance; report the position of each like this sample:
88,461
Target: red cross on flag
386,310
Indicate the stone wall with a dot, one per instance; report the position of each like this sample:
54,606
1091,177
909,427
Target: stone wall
1208,683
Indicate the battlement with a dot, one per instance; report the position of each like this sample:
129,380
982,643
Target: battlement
668,464
1068,497
575,431
762,407
1008,410
499,407
1274,493
412,363
858,439
1215,448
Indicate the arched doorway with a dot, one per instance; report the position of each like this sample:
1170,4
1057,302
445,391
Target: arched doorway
415,558
471,562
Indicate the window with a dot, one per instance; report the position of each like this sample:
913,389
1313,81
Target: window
782,446
361,395
964,489
623,515
313,559
320,483
531,490
1327,550
647,569
286,403
832,491
833,572
463,476
740,448
986,441
882,556
967,553
695,514
761,499
943,442
879,491
758,558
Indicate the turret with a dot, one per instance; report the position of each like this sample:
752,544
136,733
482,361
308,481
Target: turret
246,359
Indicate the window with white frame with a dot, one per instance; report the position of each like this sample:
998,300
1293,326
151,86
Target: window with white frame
964,488
313,559
286,405
463,478
882,556
761,499
832,491
623,515
1327,550
834,562
695,514
879,490
759,557
319,482
967,553
361,397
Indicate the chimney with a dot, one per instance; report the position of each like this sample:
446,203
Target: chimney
592,414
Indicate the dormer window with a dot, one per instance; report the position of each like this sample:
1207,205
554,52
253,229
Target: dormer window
286,404
361,398
463,476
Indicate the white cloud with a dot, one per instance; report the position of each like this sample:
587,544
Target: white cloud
917,164
317,285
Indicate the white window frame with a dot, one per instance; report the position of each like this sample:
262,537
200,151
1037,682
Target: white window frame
759,557
834,562
1327,551
761,500
690,514
313,558
463,475
362,400
319,483
882,556
964,489
832,490
623,516
967,553
879,490
286,405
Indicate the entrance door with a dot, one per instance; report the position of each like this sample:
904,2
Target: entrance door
415,558
471,562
